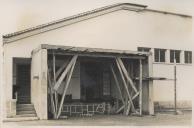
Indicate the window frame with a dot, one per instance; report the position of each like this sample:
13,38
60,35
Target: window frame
143,49
158,54
174,56
188,60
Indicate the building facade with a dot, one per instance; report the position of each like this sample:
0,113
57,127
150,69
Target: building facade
166,36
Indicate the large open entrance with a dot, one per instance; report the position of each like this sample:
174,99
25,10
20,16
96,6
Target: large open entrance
92,81
22,80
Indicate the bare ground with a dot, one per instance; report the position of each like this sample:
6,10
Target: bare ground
160,119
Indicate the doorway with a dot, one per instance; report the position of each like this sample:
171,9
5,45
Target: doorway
22,80
91,81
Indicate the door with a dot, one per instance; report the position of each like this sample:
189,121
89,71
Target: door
23,83
91,81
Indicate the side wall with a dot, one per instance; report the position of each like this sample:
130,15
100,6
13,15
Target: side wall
39,83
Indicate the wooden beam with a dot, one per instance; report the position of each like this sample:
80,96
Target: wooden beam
59,71
67,84
140,86
117,84
102,55
126,74
54,80
128,108
125,85
51,94
135,95
54,67
121,108
63,75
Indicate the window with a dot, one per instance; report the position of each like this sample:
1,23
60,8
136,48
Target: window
143,49
188,57
159,55
106,83
175,54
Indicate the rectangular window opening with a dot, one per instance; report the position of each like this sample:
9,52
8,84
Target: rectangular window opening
143,49
159,55
175,54
188,57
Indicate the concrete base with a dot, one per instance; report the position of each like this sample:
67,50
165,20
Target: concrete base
11,108
20,119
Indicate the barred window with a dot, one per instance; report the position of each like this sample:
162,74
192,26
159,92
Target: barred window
188,57
143,49
159,55
175,54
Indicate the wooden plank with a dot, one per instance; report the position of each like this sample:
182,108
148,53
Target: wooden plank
67,85
54,81
125,85
51,90
121,108
54,68
117,84
128,108
135,95
140,86
63,75
59,71
126,74
100,55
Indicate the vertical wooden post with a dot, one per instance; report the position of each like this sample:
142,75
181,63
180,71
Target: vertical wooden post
140,87
54,81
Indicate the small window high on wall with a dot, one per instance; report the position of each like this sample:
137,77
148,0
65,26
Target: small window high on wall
159,55
175,54
188,57
143,49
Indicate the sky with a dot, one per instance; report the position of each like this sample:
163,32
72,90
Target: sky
21,14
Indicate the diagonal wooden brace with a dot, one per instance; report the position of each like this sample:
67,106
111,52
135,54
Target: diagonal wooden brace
117,84
121,108
51,94
67,85
126,74
63,75
59,71
135,95
125,85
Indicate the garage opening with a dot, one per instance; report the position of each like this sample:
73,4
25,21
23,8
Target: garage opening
88,81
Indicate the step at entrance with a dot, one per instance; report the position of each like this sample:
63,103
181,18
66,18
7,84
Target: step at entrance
25,110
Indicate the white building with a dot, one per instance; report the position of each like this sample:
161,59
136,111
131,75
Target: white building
124,26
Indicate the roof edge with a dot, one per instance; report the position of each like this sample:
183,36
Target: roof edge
8,38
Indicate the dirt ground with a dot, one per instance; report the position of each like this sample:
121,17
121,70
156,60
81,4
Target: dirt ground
160,119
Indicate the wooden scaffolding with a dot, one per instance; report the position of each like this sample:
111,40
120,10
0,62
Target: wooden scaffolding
64,73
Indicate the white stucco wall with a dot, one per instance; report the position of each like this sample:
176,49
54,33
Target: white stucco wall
39,83
118,30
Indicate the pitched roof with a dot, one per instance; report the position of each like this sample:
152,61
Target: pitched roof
76,18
